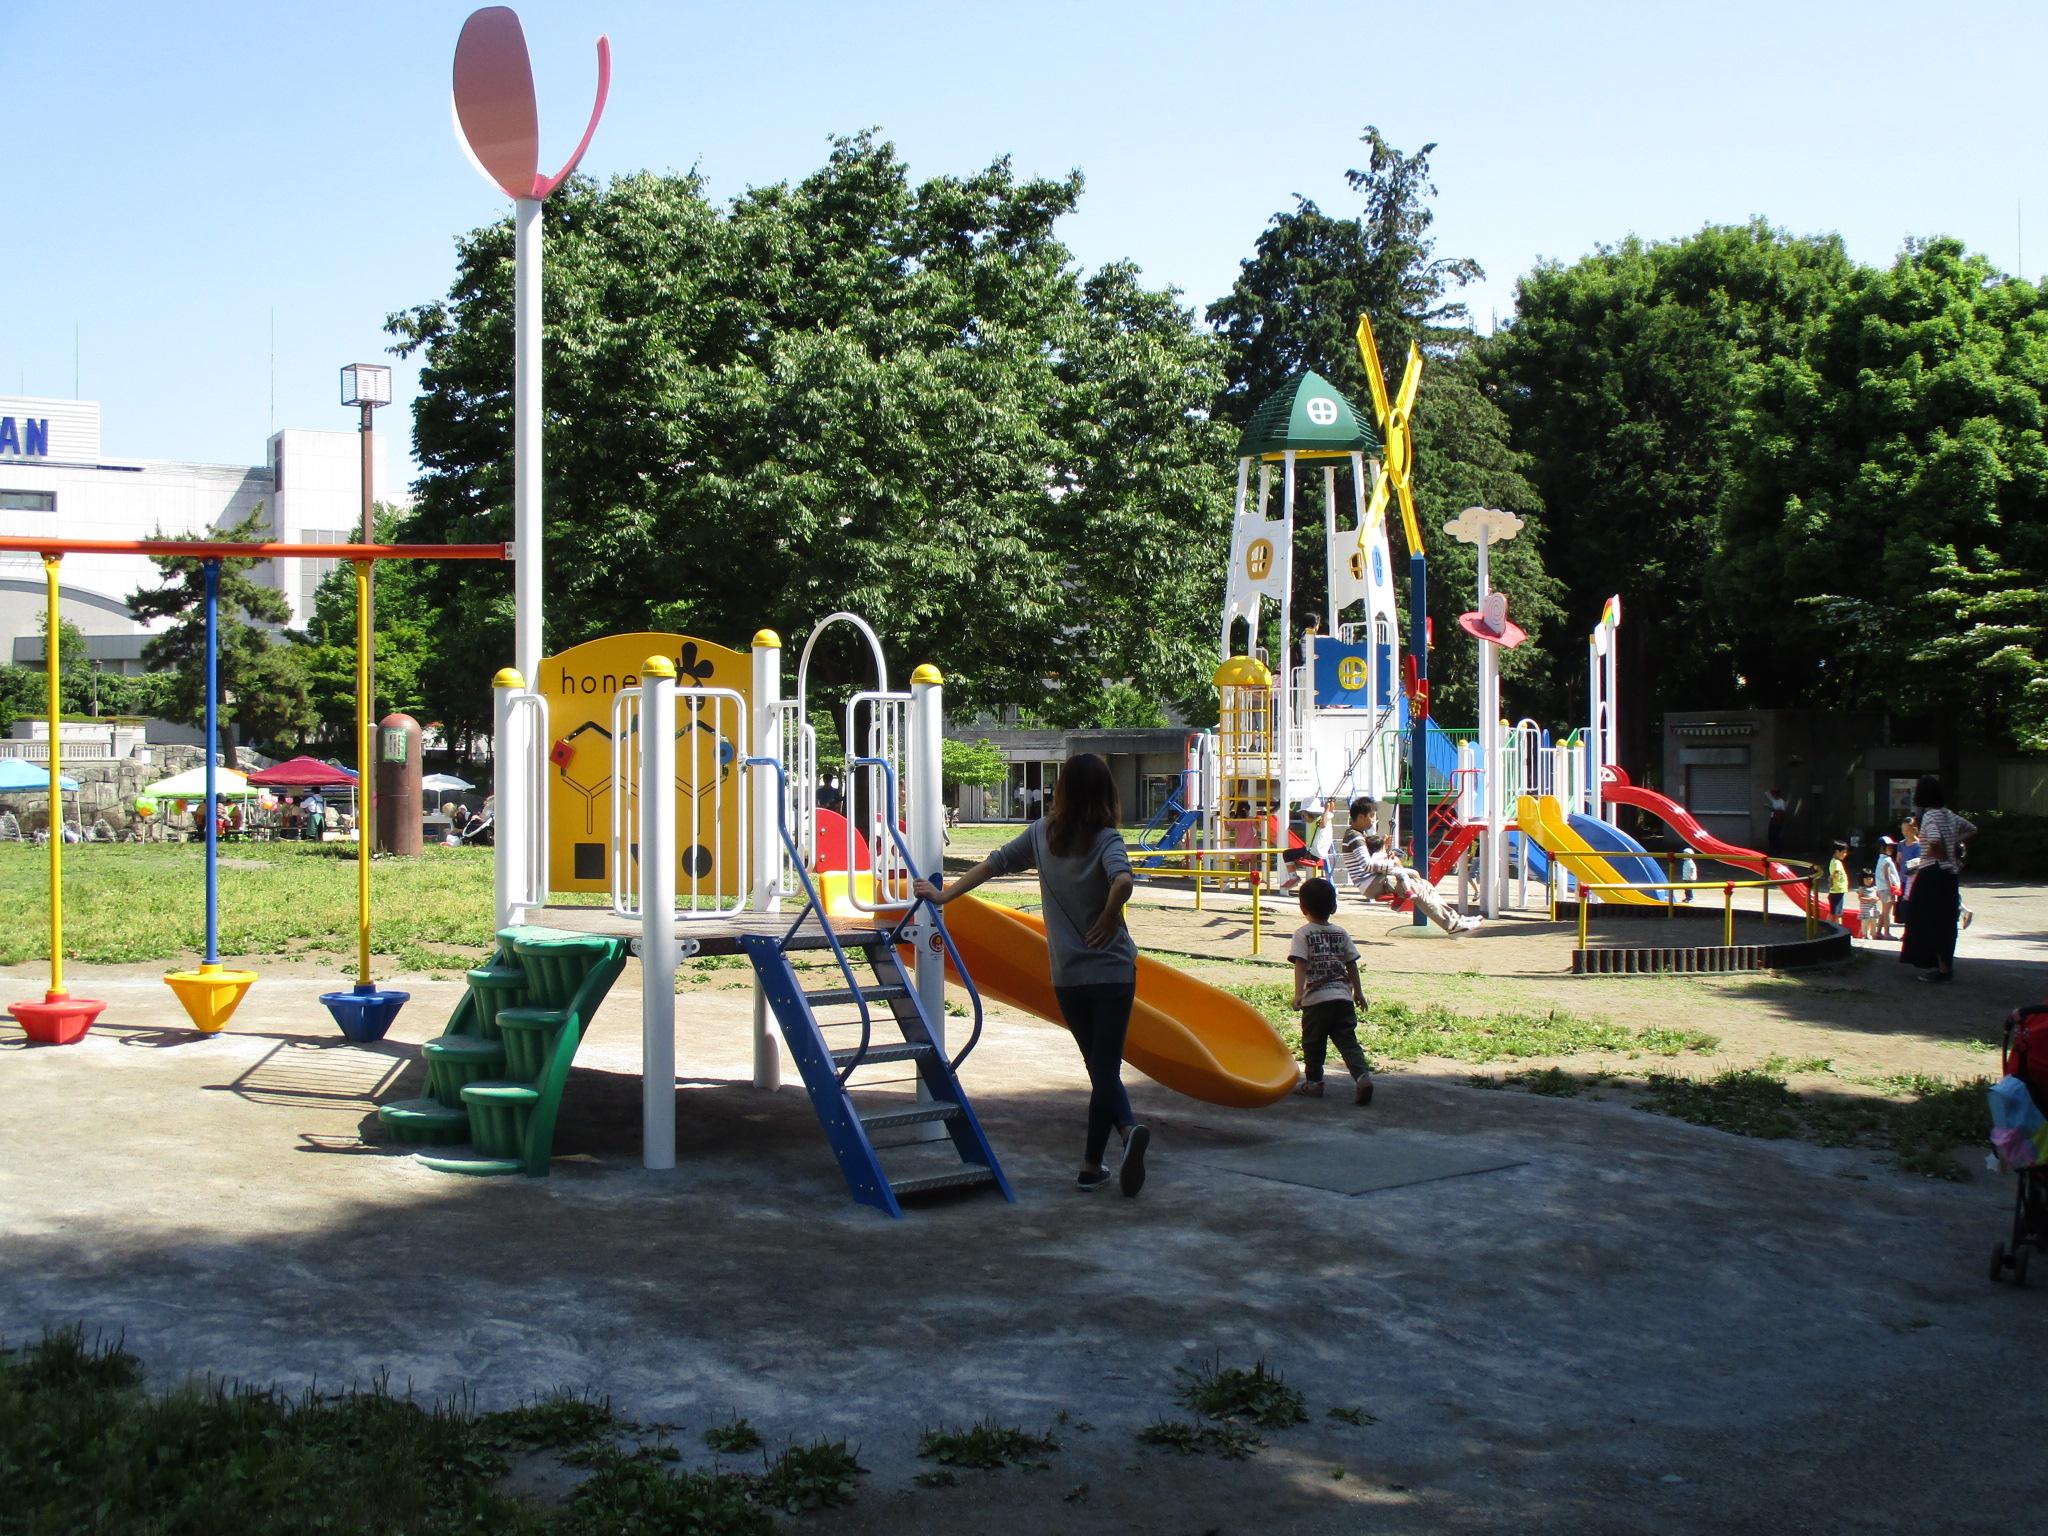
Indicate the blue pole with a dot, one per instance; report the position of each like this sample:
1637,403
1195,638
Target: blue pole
1418,735
212,739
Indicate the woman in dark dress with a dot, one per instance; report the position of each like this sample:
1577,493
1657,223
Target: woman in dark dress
1934,904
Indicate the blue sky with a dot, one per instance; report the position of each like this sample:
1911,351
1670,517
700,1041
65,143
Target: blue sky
177,174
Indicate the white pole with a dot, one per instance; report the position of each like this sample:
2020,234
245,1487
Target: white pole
1283,703
527,426
1611,748
925,768
1329,543
766,809
1592,753
1492,866
510,754
657,913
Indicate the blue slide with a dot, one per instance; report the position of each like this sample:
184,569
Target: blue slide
1525,848
1629,858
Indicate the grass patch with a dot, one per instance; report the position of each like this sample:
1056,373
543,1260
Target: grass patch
985,1445
1258,1396
1356,1416
127,902
1393,1031
1233,1442
84,1448
1920,1122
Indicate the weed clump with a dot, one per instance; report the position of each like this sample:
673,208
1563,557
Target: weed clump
984,1446
821,1475
732,1439
559,1422
1258,1396
1233,1442
1356,1416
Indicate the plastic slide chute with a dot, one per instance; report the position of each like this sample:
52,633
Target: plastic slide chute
1627,855
1185,1034
1545,823
1703,842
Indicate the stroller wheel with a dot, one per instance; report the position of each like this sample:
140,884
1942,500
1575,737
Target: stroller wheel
2020,1255
1998,1263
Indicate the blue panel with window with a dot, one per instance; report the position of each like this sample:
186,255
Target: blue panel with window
1344,675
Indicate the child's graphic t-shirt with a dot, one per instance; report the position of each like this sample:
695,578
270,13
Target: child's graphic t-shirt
1325,950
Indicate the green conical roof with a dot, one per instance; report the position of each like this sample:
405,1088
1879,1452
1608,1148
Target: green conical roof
1310,415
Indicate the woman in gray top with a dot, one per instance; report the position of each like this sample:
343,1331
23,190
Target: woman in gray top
1084,879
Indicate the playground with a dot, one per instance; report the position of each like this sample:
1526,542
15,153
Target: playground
1624,1324
692,1100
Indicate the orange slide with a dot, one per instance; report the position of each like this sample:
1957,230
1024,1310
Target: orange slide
1185,1034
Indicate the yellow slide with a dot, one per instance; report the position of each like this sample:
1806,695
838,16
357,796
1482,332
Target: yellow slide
1184,1034
1544,821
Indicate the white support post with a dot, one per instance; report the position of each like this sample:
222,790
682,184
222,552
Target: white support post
767,834
527,428
513,796
658,913
1595,676
925,769
1492,867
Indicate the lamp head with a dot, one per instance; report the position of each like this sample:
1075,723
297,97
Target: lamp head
366,384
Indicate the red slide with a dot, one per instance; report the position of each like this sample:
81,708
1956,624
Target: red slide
1704,842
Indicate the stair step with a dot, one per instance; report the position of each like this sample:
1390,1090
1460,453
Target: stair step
834,997
497,1091
471,1048
476,1164
900,1051
967,1173
889,1119
425,1121
849,938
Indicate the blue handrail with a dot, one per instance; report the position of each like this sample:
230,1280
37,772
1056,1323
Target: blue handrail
938,920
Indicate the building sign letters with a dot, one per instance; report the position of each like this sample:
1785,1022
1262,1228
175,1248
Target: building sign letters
30,440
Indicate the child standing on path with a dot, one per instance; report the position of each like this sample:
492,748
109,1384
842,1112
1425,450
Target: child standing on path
1328,992
1838,880
1886,879
1688,871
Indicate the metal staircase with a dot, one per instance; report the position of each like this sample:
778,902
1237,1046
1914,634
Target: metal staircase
832,1034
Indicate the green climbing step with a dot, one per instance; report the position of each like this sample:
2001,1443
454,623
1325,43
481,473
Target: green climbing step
494,987
498,1116
454,1060
465,1160
527,1035
425,1122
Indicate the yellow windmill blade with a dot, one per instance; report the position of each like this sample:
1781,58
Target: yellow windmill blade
1382,486
1369,354
1401,447
1411,381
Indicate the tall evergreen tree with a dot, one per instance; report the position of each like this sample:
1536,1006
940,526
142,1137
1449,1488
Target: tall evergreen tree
1295,306
263,693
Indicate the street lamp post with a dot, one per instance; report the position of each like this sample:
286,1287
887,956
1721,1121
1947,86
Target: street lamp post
366,386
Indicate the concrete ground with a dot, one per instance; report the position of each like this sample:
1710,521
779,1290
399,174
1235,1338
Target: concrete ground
1642,1325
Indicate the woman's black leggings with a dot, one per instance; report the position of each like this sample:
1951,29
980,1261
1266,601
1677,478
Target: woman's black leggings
1932,912
1099,1016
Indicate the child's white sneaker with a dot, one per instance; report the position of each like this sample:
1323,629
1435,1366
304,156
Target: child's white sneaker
1361,1093
1309,1090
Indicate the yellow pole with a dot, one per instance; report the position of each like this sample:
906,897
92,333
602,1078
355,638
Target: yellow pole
1198,888
1767,896
363,771
1728,914
1585,898
1257,906
50,659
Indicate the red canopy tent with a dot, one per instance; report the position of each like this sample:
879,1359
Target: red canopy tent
302,773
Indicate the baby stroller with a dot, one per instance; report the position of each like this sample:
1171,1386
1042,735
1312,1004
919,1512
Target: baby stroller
2019,1113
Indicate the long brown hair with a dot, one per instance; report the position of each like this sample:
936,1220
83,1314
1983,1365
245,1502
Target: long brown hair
1084,801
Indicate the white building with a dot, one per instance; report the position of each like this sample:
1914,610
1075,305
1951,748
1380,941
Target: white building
54,479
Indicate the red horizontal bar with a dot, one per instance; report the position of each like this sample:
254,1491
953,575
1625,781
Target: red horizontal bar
201,549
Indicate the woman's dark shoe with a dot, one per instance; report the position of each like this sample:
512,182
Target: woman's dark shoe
1131,1177
1092,1178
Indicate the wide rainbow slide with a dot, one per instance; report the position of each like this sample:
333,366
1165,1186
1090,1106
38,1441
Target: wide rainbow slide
1185,1034
1687,826
1565,839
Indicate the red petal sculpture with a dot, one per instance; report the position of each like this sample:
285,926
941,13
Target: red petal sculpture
494,107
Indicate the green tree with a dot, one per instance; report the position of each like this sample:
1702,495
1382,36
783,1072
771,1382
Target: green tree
850,392
1622,375
1894,478
264,696
1295,306
972,762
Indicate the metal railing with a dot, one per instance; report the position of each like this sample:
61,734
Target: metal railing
711,837
1728,888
